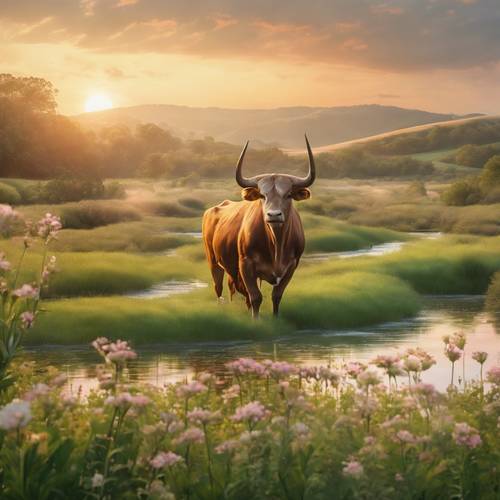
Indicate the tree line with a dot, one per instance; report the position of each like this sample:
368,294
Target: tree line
38,143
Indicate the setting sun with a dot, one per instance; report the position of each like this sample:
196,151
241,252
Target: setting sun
98,102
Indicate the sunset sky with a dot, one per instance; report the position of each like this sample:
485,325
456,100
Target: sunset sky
438,55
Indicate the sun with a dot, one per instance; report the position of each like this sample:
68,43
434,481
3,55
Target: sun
98,102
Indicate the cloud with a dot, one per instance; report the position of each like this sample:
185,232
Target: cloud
398,35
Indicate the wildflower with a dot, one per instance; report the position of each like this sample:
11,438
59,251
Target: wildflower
37,391
26,291
203,417
330,375
412,363
465,435
190,389
353,368
353,468
493,375
426,359
480,357
4,264
248,436
282,369
165,459
452,352
227,446
459,339
368,377
365,405
27,319
391,364
49,226
125,400
119,352
58,380
97,480
243,366
14,415
405,436
232,392
190,435
309,372
300,429
252,412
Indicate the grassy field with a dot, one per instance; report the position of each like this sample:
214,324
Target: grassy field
98,265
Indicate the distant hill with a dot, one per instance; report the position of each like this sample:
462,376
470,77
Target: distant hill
282,127
375,140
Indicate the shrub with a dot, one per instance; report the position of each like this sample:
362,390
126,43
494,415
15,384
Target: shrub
86,215
9,194
463,192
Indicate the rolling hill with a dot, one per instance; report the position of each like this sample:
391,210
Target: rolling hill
283,127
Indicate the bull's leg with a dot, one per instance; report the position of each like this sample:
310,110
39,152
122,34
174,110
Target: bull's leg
218,277
279,289
247,272
232,287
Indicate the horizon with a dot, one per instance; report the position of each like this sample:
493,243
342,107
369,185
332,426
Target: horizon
439,56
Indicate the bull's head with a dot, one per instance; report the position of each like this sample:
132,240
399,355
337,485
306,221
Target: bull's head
276,190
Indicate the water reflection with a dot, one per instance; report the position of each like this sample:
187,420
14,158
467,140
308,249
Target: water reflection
164,363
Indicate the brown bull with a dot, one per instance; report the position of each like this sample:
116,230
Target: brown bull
260,238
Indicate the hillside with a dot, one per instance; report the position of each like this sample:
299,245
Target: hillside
283,127
408,133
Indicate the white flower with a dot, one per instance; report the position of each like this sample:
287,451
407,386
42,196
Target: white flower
97,480
15,415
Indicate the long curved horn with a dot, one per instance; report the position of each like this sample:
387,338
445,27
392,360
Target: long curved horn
243,181
309,179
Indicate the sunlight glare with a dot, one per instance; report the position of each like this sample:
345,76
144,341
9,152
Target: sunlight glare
97,102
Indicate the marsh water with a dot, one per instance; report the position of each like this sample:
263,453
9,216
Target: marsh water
441,315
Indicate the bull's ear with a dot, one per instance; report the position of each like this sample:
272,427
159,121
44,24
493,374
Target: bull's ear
250,194
301,194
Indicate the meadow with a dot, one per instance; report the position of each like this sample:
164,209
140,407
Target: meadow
131,248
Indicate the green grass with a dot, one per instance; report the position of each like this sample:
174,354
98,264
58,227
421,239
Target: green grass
348,300
355,299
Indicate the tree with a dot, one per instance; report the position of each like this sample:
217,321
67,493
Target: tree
490,177
35,94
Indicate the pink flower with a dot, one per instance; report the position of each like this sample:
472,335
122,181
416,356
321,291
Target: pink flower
405,436
465,435
493,375
252,412
125,400
243,366
227,446
27,319
412,363
282,369
353,468
27,291
190,389
4,264
368,377
165,459
203,417
452,352
480,356
232,392
190,435
49,226
353,368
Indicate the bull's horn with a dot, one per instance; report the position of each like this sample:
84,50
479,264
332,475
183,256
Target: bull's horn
243,181
309,179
